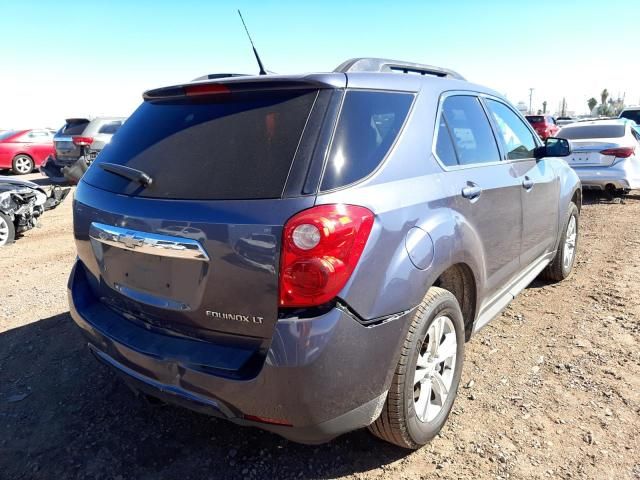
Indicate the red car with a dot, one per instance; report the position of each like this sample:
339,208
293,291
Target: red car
544,125
24,150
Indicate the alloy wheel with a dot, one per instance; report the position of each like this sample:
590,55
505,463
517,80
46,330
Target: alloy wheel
22,164
435,369
570,243
4,231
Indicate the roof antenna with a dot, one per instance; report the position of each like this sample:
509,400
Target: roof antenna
255,52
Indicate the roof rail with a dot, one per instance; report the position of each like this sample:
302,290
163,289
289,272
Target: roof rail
394,66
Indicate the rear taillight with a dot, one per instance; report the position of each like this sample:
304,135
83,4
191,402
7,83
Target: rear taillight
205,89
320,249
82,141
622,152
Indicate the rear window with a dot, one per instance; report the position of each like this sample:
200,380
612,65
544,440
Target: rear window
631,115
583,132
237,148
74,127
110,128
535,119
368,125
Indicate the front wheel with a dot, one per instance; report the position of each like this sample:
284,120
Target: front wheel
427,376
7,230
562,264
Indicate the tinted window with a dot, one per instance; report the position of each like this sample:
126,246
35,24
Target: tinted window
444,145
110,128
237,148
581,132
470,130
74,127
369,123
535,119
631,115
515,135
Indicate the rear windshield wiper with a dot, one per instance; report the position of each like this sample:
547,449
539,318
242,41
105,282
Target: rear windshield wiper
127,172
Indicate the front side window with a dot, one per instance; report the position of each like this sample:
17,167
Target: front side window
368,125
515,135
444,145
470,130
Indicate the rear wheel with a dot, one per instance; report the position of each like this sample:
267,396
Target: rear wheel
562,264
7,230
22,164
427,376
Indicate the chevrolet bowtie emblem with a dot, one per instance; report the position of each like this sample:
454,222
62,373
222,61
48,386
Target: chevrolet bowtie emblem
130,240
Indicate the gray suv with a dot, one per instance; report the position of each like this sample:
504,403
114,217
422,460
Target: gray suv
308,254
77,144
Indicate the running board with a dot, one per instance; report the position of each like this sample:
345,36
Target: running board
504,297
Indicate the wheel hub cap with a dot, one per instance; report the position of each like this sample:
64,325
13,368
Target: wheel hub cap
570,243
435,369
4,231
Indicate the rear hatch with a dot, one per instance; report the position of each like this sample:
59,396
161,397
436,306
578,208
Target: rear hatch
67,151
537,122
196,252
101,131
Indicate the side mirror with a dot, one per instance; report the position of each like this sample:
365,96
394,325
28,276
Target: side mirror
554,147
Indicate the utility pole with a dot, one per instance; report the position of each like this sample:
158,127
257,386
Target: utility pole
530,99
564,107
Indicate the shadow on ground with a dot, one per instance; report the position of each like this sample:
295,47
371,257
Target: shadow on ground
64,415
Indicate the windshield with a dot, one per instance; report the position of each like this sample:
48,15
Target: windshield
230,148
583,132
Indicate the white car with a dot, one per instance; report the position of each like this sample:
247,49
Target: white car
605,154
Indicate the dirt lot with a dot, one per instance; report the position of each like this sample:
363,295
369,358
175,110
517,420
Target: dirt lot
551,388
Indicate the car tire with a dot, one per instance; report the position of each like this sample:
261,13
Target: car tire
562,264
7,230
22,164
406,420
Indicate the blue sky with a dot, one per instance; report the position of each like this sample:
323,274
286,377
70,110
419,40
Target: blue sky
70,58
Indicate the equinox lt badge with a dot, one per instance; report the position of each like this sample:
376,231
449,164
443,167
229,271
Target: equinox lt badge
238,317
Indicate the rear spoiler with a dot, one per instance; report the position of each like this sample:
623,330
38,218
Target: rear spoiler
242,83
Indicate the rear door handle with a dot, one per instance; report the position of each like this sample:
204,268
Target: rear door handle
471,192
527,183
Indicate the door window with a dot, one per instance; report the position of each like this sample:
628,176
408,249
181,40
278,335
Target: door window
470,130
516,136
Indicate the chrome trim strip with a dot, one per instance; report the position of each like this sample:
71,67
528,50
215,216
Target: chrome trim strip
148,243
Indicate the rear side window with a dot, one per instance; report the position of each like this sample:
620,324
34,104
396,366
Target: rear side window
238,147
583,132
470,130
516,136
368,125
110,128
74,127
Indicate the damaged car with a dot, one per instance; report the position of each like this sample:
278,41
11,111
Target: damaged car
77,144
21,205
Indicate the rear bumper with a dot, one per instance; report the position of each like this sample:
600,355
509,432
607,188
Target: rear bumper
623,175
64,172
323,376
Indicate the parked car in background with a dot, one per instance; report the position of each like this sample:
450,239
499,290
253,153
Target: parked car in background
77,144
268,250
544,125
560,121
632,113
606,154
24,150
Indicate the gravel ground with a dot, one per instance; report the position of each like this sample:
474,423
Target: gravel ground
551,389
